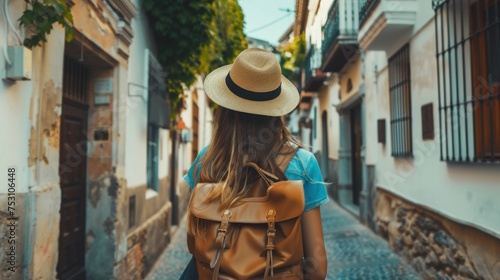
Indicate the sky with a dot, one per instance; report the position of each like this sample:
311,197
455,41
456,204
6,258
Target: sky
265,19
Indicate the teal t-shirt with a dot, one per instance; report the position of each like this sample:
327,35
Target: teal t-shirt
303,166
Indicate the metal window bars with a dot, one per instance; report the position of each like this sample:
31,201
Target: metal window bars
75,81
366,7
468,67
400,103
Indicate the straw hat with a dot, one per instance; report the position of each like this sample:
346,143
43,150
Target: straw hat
252,84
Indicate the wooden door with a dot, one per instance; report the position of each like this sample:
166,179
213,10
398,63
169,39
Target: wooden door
72,172
356,142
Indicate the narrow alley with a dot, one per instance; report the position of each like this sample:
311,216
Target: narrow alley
353,251
106,104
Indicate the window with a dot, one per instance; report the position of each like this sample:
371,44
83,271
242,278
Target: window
400,98
158,117
468,59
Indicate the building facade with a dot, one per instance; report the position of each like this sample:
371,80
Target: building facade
87,145
418,124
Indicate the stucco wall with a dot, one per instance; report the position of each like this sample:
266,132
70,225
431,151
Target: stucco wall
29,127
137,104
467,193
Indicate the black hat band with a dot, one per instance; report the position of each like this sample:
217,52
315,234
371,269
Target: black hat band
251,95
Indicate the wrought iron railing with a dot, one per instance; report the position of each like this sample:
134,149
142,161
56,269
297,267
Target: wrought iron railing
331,29
312,63
400,100
366,7
336,25
468,76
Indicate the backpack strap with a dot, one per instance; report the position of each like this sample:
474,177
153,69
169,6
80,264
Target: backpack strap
284,157
286,154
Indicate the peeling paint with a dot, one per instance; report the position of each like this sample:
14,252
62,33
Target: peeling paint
33,147
49,123
55,133
108,227
114,187
89,240
94,193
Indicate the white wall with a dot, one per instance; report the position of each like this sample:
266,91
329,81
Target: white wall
333,118
371,106
315,116
467,193
205,117
15,125
20,107
293,124
136,113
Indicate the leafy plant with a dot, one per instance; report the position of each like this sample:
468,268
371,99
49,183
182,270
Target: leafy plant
293,58
194,37
42,16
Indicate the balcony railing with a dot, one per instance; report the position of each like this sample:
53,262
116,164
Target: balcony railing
340,35
331,29
367,6
314,77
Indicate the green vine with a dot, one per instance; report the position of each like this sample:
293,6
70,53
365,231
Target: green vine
293,58
195,36
42,16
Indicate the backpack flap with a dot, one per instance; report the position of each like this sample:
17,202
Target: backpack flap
285,197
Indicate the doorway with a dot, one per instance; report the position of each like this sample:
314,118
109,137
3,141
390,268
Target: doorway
356,161
324,145
73,171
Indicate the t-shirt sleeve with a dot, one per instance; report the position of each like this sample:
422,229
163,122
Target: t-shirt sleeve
189,177
305,167
314,188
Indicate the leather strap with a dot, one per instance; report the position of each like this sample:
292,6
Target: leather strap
220,244
271,234
267,176
286,154
282,160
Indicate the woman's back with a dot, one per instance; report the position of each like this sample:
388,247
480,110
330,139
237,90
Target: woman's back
241,162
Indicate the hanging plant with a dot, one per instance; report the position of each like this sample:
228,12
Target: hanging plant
42,16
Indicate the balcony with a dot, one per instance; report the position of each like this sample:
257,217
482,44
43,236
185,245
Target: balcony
367,7
340,41
385,25
314,77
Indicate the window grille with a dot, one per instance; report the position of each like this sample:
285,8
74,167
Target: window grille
400,98
367,7
75,81
468,65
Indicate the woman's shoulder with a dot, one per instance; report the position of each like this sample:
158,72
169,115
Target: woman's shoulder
303,154
300,161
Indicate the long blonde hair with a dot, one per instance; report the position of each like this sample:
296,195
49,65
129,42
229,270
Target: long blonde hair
238,138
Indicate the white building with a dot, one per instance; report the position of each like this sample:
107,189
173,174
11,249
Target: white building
86,139
416,150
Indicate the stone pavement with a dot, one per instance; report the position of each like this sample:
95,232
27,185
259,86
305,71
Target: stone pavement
354,252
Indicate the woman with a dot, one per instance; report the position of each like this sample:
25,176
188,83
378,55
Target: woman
252,96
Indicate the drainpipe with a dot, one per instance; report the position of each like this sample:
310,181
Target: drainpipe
173,178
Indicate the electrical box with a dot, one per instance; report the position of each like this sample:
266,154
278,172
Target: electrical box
21,63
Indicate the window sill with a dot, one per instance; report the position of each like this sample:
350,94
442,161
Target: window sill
150,193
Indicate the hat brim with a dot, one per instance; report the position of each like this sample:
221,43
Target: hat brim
216,88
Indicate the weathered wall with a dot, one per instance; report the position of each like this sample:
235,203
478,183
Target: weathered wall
146,243
29,127
435,245
104,230
106,212
424,179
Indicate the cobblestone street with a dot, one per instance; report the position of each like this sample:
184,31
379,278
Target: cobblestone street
354,252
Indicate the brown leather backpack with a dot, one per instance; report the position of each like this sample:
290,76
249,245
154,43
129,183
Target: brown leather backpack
260,238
